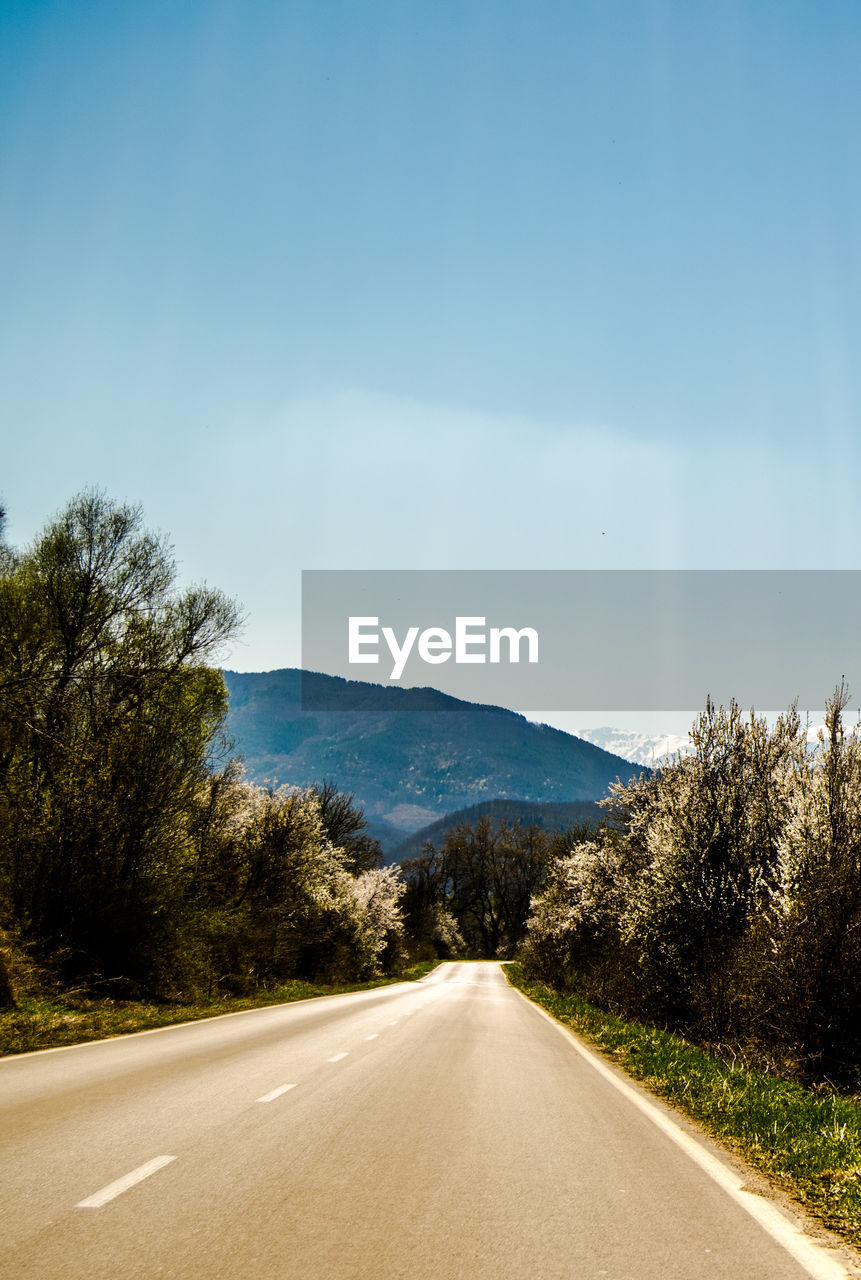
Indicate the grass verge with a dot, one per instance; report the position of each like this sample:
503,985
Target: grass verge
809,1144
45,1023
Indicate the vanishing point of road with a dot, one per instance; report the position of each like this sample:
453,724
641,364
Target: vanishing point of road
439,1130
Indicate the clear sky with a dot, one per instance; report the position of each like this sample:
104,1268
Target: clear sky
474,284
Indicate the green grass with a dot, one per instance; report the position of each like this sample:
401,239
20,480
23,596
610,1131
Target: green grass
45,1023
807,1143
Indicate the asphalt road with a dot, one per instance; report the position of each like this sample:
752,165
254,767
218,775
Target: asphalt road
441,1129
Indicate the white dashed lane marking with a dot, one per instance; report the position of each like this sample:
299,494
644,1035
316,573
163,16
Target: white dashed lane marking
114,1189
276,1093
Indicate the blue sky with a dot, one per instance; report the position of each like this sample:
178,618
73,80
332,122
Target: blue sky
369,284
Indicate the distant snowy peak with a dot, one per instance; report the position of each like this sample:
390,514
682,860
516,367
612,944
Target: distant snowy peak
654,749
650,749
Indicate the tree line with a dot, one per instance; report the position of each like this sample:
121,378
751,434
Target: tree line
134,857
723,897
473,894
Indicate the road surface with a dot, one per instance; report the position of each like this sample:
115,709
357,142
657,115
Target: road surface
441,1130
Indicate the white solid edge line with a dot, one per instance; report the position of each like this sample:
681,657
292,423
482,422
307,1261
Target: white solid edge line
809,1253
193,1022
375,1036
337,1057
276,1093
114,1189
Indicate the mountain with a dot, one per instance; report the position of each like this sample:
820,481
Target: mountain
656,749
550,816
649,749
418,758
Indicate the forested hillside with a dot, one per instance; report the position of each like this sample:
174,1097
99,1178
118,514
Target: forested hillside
552,818
425,757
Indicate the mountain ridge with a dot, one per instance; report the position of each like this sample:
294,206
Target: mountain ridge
550,816
426,756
